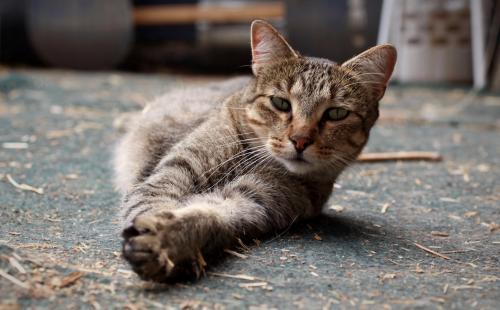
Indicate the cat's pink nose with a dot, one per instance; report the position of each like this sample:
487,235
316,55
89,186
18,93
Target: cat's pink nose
300,142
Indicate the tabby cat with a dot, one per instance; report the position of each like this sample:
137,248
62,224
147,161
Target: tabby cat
199,172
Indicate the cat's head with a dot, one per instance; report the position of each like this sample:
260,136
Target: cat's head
313,114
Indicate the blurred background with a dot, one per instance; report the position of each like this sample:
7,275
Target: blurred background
73,71
439,41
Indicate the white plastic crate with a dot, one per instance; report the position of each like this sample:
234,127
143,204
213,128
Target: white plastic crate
433,39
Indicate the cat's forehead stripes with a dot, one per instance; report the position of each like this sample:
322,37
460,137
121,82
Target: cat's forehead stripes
312,83
315,83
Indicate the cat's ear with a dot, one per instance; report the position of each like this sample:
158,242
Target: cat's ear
374,67
268,45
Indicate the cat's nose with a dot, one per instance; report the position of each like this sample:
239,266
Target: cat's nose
300,142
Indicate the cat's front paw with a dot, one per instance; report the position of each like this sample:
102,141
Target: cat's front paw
158,247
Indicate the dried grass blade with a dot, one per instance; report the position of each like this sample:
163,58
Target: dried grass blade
24,187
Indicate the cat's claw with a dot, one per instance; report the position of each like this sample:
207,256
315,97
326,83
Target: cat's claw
155,248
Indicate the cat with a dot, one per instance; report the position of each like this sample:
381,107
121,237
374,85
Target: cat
201,168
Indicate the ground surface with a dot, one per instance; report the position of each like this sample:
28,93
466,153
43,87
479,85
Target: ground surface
60,248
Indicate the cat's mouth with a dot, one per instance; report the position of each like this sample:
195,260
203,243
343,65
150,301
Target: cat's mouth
299,158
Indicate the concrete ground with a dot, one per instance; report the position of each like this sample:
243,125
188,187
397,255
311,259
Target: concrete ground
60,247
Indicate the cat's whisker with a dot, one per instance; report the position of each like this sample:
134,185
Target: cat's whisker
345,162
346,75
340,157
228,173
251,155
265,163
244,152
369,73
355,78
231,136
214,169
251,160
335,164
229,131
231,108
241,142
363,83
252,165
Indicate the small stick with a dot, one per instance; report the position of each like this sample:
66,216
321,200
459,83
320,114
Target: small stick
457,251
395,156
243,246
431,251
15,145
15,263
24,187
71,279
255,284
234,276
439,234
234,253
13,280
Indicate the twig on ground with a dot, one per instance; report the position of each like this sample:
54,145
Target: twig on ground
395,156
255,284
234,276
15,145
15,263
234,253
36,246
384,208
431,251
439,234
13,279
467,287
24,187
445,288
244,247
458,251
71,279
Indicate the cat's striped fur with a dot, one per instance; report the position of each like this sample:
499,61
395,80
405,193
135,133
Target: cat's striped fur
198,172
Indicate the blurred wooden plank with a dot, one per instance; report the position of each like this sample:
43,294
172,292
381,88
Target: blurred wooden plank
189,14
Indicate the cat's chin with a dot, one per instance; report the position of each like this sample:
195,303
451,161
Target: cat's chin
297,166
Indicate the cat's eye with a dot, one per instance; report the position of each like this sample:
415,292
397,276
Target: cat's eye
281,104
336,114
